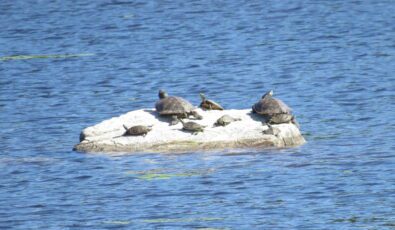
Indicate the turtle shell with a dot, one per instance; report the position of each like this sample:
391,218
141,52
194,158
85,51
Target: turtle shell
173,106
225,120
137,130
209,104
279,118
192,126
270,105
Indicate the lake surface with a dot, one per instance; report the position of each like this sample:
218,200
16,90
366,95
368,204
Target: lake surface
66,65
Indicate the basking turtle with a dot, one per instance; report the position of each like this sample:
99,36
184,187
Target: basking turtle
192,126
225,120
138,130
273,110
176,107
209,104
271,130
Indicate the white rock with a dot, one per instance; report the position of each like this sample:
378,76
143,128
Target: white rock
107,135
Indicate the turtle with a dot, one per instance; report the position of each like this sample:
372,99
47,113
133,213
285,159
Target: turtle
138,130
192,126
209,104
273,110
271,130
176,107
225,120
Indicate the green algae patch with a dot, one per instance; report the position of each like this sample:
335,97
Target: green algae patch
180,220
347,172
352,219
128,16
145,172
165,173
326,137
168,220
118,222
164,176
26,57
212,228
366,220
155,176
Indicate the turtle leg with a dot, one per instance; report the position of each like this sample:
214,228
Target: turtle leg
269,131
174,120
295,122
271,120
272,131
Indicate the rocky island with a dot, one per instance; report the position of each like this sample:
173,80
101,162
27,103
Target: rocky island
248,132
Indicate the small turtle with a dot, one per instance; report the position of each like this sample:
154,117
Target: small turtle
273,110
192,126
271,130
225,120
176,107
209,104
138,130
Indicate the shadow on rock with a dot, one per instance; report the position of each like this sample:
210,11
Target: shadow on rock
257,117
157,116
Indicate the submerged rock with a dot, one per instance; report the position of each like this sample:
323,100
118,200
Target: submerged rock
248,132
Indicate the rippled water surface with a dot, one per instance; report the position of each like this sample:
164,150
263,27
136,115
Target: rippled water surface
66,65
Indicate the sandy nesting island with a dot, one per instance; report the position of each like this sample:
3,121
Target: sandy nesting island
249,132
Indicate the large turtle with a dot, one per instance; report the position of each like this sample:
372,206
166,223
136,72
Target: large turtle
273,110
176,107
192,126
209,104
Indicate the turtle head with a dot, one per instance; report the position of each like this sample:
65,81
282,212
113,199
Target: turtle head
162,94
196,115
202,96
269,93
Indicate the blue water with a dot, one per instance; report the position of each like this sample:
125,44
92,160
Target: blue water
331,61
